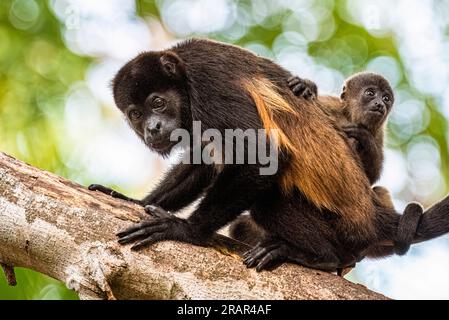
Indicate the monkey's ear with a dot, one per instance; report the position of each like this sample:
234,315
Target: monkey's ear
172,65
343,93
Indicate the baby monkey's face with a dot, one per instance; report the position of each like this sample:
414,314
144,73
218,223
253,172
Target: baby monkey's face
370,101
375,105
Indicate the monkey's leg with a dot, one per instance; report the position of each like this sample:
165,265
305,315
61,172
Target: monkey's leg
384,196
296,232
232,193
245,229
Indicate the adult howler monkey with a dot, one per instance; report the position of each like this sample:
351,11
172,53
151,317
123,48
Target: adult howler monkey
318,210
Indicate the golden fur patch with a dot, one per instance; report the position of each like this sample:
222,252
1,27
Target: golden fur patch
322,166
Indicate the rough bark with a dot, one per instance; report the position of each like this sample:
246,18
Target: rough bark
59,228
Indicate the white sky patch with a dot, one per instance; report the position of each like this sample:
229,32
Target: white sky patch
422,274
99,80
103,28
388,67
394,175
185,17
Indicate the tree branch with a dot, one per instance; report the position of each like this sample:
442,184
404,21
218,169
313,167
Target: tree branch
59,228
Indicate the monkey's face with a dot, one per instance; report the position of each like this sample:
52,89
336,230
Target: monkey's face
150,91
156,118
370,105
368,98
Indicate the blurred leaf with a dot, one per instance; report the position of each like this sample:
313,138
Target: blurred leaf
36,286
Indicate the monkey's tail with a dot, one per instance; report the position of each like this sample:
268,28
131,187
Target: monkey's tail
414,227
434,222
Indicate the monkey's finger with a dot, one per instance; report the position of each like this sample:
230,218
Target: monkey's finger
308,94
299,89
251,261
141,233
156,237
272,257
259,246
293,82
248,253
294,79
258,254
157,212
138,226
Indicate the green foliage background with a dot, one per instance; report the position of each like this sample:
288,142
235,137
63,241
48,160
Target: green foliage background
37,70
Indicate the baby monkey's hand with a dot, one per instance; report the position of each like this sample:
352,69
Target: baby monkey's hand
303,88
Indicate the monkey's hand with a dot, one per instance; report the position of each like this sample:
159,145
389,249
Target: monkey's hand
359,137
163,226
303,88
112,193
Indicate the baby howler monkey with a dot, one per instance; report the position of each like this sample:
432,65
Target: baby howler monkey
361,113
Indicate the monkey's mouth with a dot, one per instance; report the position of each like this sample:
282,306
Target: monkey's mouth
377,112
160,146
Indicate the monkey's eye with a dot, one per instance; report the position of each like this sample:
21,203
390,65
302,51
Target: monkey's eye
370,92
135,115
386,98
158,104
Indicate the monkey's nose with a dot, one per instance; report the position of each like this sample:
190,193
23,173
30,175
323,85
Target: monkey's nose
154,129
378,106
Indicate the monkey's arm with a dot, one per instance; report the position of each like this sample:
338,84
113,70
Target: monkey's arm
365,146
234,191
303,88
181,186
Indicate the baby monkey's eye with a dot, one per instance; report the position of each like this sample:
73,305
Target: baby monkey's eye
386,98
158,103
370,92
135,115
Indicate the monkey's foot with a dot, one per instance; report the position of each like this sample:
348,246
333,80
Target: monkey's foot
112,193
162,227
267,255
341,272
271,253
